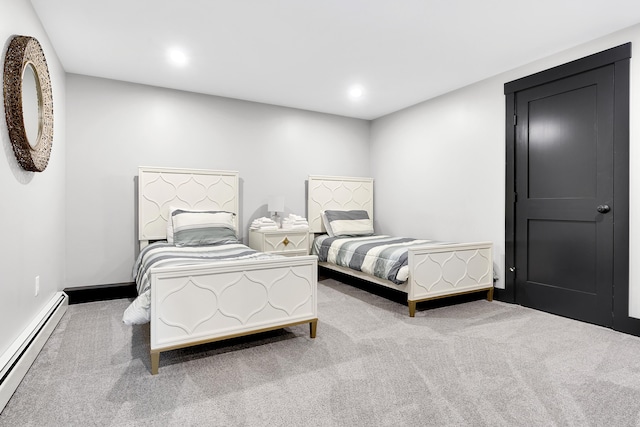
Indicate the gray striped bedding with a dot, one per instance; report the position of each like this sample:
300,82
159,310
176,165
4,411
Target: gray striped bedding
382,256
162,254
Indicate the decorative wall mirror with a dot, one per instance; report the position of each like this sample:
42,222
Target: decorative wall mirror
28,103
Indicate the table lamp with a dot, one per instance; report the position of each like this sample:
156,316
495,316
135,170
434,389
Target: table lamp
276,204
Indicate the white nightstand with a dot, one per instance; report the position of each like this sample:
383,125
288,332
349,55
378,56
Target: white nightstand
289,242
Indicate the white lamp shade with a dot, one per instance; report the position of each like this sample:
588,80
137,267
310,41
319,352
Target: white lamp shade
276,204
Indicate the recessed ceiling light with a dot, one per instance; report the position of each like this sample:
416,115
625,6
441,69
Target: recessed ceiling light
177,57
356,92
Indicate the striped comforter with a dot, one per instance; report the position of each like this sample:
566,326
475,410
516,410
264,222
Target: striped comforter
162,254
382,256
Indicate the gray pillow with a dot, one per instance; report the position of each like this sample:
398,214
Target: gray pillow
349,223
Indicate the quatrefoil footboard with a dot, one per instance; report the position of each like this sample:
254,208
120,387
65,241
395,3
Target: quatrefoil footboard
437,271
192,306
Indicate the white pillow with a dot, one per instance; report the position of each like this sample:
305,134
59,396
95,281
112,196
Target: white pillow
170,224
172,209
349,223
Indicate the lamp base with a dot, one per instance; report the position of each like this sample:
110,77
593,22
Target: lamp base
277,219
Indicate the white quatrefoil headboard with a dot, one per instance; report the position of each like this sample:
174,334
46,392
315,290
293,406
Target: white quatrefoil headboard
159,188
337,192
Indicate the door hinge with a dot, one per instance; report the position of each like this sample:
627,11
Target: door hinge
515,119
512,269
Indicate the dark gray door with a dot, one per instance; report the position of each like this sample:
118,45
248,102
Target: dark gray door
564,196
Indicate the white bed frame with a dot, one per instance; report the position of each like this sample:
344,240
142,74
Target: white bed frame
201,304
435,271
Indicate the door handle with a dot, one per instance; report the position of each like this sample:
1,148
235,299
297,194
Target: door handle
603,208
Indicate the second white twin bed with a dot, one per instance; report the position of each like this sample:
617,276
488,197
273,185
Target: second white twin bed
340,211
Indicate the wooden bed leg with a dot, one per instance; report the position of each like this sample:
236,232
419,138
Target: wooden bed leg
313,325
490,294
155,362
412,309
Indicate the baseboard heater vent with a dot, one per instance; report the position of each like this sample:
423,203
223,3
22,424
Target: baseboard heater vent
17,360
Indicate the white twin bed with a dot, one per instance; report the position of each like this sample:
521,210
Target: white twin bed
198,301
434,269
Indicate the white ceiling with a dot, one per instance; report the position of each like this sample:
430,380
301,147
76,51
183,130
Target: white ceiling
307,54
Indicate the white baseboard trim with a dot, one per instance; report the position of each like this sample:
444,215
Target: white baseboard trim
17,360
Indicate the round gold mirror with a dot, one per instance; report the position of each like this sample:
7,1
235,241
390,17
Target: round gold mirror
28,103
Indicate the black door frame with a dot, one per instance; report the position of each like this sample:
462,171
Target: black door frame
620,57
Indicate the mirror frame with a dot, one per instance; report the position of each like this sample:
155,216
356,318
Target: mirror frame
22,51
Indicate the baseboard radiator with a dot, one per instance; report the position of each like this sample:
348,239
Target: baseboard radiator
17,360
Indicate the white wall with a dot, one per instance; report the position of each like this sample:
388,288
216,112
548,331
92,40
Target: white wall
114,127
33,204
447,179
439,168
